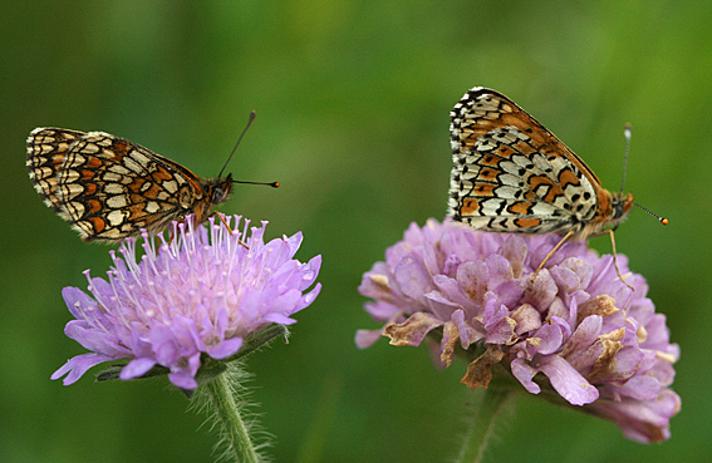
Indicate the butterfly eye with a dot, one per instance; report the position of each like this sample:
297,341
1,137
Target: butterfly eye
618,213
618,207
218,194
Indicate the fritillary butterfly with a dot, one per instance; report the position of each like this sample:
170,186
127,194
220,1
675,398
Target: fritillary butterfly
109,188
510,174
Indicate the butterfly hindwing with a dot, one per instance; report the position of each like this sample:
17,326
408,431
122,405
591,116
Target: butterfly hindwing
46,151
510,173
108,187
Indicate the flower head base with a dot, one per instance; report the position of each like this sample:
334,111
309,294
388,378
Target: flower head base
599,344
202,293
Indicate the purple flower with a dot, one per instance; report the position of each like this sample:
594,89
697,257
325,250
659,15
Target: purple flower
202,293
573,329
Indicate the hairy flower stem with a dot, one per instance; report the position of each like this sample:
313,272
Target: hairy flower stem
480,429
235,430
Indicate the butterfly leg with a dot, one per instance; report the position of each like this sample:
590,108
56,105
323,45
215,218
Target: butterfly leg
548,256
227,225
224,222
172,231
615,260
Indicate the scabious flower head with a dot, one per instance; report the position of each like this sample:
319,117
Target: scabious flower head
201,293
573,329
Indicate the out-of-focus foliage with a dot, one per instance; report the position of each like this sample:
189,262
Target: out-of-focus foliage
352,101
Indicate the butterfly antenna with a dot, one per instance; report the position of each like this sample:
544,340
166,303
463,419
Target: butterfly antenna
237,143
627,129
247,182
661,219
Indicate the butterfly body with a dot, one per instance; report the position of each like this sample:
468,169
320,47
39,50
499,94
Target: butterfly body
109,188
510,174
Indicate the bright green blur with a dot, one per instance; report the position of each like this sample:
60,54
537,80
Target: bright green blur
352,105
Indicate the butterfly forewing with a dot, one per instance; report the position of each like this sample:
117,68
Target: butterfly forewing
107,187
510,174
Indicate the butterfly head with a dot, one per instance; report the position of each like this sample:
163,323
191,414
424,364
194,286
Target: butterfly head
621,203
219,189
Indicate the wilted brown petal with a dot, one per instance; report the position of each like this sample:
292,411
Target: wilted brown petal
451,335
611,342
412,331
567,321
527,319
603,305
479,371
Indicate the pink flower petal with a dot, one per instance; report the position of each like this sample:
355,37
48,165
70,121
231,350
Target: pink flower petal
567,381
75,367
366,338
225,349
188,297
136,368
525,374
597,341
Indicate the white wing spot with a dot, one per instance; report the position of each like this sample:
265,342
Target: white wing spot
111,177
114,188
70,191
116,217
117,201
74,209
140,158
170,186
152,207
133,165
119,169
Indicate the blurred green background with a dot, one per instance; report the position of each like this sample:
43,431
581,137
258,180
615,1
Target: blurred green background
352,101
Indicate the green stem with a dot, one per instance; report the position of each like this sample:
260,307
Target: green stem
238,438
482,424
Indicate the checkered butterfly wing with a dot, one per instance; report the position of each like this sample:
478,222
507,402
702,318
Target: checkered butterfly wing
510,174
108,188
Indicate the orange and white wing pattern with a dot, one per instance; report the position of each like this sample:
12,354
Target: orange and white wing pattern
46,151
510,174
107,187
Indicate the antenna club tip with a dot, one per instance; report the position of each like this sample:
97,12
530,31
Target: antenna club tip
277,185
253,114
627,130
664,220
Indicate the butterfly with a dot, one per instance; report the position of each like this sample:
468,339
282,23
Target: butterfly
511,174
109,188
